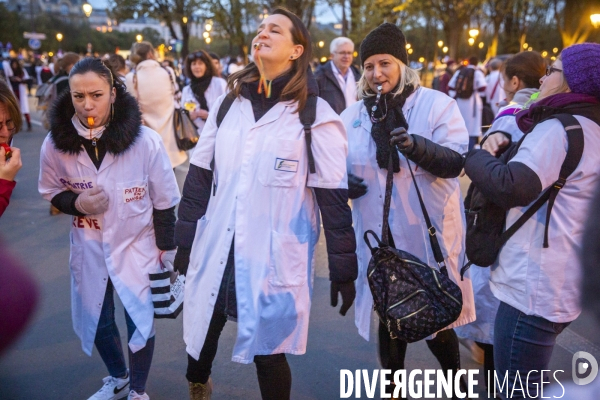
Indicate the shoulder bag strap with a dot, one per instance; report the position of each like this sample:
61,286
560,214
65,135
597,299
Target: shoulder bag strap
307,117
435,245
574,153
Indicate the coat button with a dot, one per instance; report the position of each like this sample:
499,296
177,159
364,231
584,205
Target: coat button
228,229
379,225
221,262
379,196
212,294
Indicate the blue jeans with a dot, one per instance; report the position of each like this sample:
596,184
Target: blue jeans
523,343
108,343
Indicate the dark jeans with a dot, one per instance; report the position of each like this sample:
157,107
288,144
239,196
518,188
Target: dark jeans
444,347
108,343
523,343
273,371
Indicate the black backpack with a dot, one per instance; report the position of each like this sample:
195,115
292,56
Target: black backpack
486,220
412,299
307,117
464,83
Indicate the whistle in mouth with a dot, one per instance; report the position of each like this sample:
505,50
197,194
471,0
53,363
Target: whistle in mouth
379,88
90,121
257,46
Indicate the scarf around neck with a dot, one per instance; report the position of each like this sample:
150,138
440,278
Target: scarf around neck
261,104
380,131
558,103
199,86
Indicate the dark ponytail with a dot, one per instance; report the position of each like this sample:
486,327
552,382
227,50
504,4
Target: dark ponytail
95,65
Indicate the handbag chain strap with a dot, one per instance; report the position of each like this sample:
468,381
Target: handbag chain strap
389,183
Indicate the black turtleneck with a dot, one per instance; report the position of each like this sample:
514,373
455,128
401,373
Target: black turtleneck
261,104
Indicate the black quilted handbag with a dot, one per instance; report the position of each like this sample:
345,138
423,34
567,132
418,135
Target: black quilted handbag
412,299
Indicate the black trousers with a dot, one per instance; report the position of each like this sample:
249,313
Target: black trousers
273,371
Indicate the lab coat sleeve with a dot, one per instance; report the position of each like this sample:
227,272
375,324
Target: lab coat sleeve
330,149
205,149
162,185
449,129
49,184
196,195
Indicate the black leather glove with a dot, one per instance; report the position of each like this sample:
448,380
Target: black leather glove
182,260
348,292
402,140
356,187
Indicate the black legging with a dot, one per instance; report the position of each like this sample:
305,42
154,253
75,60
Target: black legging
273,371
488,359
444,347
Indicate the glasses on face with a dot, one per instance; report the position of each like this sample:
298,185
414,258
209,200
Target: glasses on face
10,125
550,70
344,53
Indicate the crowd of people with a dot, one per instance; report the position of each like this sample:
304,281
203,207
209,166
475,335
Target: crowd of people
282,152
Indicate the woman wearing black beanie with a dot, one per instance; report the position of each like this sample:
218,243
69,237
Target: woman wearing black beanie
393,104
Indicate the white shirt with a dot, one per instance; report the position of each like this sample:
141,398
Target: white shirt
546,282
263,195
494,91
216,88
471,108
347,84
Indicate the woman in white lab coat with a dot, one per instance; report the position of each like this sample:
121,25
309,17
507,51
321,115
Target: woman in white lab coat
438,137
113,176
261,192
205,87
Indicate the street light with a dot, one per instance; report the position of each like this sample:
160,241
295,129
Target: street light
481,45
473,33
321,44
555,50
185,20
440,44
471,41
544,54
87,9
525,46
139,38
208,40
595,18
59,37
445,49
407,46
410,51
208,26
205,35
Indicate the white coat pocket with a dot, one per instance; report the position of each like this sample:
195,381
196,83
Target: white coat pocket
289,260
133,198
280,162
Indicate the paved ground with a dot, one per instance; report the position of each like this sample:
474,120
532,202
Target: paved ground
47,362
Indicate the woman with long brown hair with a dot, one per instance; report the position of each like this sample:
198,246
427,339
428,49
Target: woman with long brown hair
254,168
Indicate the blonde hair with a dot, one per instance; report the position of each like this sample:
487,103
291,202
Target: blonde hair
140,52
408,76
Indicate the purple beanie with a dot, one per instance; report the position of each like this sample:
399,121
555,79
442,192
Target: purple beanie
580,68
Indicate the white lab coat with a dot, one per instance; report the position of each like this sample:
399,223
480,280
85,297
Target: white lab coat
23,97
494,91
472,107
217,87
119,244
435,116
263,195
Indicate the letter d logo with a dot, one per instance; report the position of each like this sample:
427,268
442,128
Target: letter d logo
582,363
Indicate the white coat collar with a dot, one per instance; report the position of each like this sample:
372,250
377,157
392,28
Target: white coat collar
408,106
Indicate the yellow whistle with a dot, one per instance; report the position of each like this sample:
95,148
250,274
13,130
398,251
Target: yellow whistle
90,121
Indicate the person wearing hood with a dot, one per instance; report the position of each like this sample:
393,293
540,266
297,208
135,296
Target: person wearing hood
205,87
250,179
537,274
521,76
392,104
113,175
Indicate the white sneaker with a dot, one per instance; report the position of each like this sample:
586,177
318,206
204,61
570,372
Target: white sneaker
133,395
113,389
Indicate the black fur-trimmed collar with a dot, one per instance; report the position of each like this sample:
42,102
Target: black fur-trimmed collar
119,136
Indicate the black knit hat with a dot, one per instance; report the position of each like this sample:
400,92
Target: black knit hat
385,39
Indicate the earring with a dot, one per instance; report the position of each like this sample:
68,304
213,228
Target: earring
291,57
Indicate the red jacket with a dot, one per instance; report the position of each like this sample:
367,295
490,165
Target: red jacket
6,188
